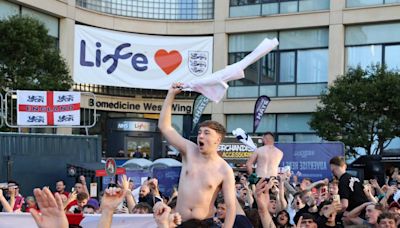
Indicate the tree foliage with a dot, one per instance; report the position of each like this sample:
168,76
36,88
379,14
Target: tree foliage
29,58
361,109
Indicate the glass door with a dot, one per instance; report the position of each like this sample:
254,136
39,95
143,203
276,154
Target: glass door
139,147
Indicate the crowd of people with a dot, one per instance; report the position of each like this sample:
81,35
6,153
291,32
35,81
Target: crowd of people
282,201
211,194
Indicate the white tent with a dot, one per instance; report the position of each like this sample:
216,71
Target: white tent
137,163
166,162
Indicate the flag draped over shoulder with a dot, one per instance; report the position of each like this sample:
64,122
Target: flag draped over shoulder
215,85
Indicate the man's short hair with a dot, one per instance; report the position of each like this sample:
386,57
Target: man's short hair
269,133
144,206
61,181
82,196
215,126
387,215
334,182
338,160
307,179
89,206
13,183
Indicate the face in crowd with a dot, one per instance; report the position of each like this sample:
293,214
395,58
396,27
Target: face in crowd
372,214
387,223
308,223
283,218
78,187
60,186
208,139
221,211
144,191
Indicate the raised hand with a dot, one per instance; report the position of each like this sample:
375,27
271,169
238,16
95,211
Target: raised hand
124,182
112,198
51,208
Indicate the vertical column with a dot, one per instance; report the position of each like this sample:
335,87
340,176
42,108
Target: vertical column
336,40
66,31
220,52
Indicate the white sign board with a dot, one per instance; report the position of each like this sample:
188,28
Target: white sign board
106,57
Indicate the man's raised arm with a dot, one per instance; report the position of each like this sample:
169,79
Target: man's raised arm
164,123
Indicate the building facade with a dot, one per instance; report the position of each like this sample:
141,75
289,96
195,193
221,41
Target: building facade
319,40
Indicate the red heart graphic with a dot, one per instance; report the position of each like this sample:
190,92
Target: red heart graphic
168,61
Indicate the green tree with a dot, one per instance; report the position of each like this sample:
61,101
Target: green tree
361,109
29,58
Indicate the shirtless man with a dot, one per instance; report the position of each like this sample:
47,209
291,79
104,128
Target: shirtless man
267,158
204,173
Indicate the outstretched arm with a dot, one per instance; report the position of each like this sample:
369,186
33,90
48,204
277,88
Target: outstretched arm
262,198
228,190
164,123
5,203
110,201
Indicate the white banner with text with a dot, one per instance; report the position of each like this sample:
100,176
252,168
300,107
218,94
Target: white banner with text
112,58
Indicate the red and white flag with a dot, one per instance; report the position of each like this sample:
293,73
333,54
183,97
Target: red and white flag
48,108
25,220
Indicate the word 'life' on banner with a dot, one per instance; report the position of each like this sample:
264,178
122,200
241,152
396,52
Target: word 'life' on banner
113,58
48,108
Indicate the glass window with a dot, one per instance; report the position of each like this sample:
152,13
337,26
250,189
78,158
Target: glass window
177,123
363,56
286,90
306,38
251,71
392,57
247,42
288,6
51,23
287,66
372,34
245,11
268,72
391,1
270,8
311,89
243,121
269,90
293,123
8,9
355,3
308,138
285,138
155,9
246,123
242,91
312,66
309,5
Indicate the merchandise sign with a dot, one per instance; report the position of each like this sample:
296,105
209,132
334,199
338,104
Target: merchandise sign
48,108
112,58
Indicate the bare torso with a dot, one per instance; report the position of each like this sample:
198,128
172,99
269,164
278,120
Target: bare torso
268,159
200,181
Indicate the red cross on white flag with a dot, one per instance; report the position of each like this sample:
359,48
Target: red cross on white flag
48,108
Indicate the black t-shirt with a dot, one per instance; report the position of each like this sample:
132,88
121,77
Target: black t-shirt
351,188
